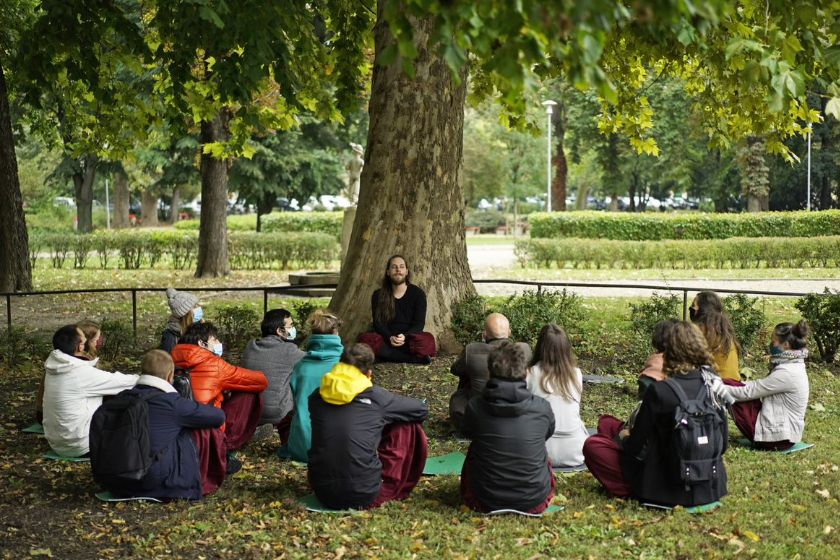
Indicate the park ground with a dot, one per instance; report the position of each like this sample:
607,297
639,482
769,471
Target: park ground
779,506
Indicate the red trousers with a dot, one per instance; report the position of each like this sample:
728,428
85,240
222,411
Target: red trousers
472,502
602,456
242,412
418,348
402,451
745,415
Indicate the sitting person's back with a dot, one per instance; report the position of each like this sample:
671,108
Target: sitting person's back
554,376
73,390
275,354
175,471
323,350
653,369
471,365
507,466
708,314
352,421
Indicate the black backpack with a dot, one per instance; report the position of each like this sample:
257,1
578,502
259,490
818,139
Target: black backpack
700,436
119,438
182,382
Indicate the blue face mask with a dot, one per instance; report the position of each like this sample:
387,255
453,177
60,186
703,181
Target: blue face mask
198,315
291,333
775,350
218,349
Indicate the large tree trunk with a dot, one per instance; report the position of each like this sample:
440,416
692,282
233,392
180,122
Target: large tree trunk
175,207
561,167
83,179
121,200
212,232
410,201
755,174
149,208
15,269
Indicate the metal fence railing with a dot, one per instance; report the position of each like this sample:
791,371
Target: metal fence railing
296,292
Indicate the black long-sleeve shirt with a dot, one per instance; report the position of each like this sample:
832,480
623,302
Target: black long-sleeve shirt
409,313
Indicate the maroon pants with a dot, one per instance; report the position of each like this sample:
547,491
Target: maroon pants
242,412
745,415
418,348
602,455
474,504
402,451
212,458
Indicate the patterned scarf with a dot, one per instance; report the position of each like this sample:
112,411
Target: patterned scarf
788,356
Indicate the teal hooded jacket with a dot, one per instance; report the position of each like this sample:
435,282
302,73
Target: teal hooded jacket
323,352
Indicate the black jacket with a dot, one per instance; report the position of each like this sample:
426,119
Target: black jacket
650,462
507,461
409,313
175,474
344,467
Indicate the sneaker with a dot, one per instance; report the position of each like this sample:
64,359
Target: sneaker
234,465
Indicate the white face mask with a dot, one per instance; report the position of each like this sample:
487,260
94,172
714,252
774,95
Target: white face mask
218,349
198,315
291,333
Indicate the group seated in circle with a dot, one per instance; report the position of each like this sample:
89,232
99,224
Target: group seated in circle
365,446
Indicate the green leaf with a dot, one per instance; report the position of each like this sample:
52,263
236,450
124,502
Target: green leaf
209,14
833,108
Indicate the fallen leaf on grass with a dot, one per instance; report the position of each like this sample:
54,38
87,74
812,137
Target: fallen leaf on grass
737,543
41,552
824,493
752,536
828,529
817,407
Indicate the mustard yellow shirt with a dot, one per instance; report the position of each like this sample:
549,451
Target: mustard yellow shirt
726,365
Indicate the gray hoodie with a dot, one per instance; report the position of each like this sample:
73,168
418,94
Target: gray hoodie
275,357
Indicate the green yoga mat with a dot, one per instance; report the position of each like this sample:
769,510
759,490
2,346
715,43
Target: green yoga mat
693,510
451,463
53,456
108,497
35,428
548,511
799,446
312,504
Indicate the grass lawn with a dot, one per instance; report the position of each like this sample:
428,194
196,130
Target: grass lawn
779,506
491,239
657,274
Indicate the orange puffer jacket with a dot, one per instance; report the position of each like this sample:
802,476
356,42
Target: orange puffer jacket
210,375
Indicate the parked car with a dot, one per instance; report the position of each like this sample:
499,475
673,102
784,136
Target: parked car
64,202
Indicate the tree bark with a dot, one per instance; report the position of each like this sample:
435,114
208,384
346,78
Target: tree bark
15,268
561,166
121,200
175,207
411,201
149,208
212,232
83,178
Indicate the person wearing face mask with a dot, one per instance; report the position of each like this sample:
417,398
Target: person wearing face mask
185,311
770,412
275,354
73,390
707,313
236,390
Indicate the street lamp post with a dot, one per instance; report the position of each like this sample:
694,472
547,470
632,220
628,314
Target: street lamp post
107,206
808,200
549,108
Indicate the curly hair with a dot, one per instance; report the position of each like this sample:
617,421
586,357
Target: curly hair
714,324
686,349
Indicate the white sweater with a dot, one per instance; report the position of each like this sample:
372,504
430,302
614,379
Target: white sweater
784,399
73,390
565,447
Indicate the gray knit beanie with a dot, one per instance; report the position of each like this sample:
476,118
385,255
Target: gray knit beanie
180,303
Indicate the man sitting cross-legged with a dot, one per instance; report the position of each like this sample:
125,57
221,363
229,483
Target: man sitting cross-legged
175,470
73,390
399,315
471,365
507,465
236,390
368,446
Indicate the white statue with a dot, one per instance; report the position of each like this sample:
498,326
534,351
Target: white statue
354,172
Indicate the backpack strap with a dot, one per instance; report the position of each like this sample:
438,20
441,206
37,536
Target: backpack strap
675,387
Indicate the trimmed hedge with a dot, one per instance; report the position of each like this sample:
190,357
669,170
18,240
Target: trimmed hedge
132,249
780,252
626,226
246,222
315,222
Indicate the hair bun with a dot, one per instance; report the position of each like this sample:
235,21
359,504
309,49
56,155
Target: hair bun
801,329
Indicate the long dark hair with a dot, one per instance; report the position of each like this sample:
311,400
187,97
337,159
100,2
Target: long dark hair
386,305
714,324
557,362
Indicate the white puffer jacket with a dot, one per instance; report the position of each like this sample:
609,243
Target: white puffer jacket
73,390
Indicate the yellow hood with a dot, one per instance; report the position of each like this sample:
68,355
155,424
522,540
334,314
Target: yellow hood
343,383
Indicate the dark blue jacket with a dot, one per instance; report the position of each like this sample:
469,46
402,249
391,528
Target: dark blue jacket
175,473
